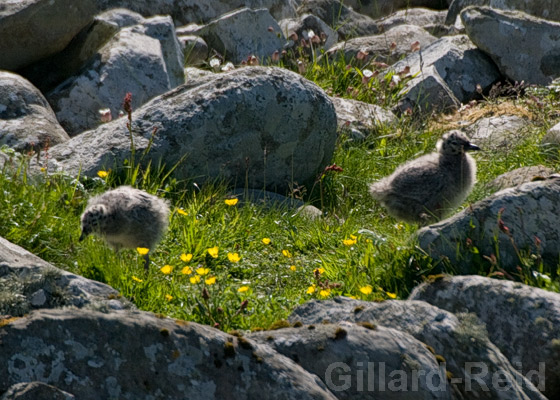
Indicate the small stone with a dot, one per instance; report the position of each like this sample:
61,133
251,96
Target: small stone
38,298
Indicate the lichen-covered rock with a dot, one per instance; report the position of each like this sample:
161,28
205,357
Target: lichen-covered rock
194,48
27,121
135,355
362,361
302,25
452,60
551,142
185,12
30,283
268,125
520,176
430,20
231,37
362,117
48,73
501,133
523,321
35,391
387,47
460,342
343,19
520,221
145,60
547,9
381,8
524,48
34,29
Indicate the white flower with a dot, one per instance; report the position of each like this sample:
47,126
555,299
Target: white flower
105,115
228,67
215,63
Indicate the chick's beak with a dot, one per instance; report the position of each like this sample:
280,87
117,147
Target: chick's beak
472,147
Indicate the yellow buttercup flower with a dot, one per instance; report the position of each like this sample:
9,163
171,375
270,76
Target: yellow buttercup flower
166,269
186,257
213,251
293,267
319,270
310,289
243,289
102,174
195,279
353,237
233,257
142,251
182,212
202,271
286,253
266,240
366,289
231,202
186,271
349,242
134,278
391,295
168,297
211,280
325,293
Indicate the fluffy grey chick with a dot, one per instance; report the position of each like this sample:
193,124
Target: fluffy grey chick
126,217
424,189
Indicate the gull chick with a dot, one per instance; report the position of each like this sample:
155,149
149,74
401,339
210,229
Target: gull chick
126,218
426,188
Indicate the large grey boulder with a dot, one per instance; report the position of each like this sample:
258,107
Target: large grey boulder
255,125
229,35
524,48
453,62
29,283
523,321
360,118
185,12
34,29
547,9
136,355
459,342
522,221
145,60
27,121
347,22
387,47
359,362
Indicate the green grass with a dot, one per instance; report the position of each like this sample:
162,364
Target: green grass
354,248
